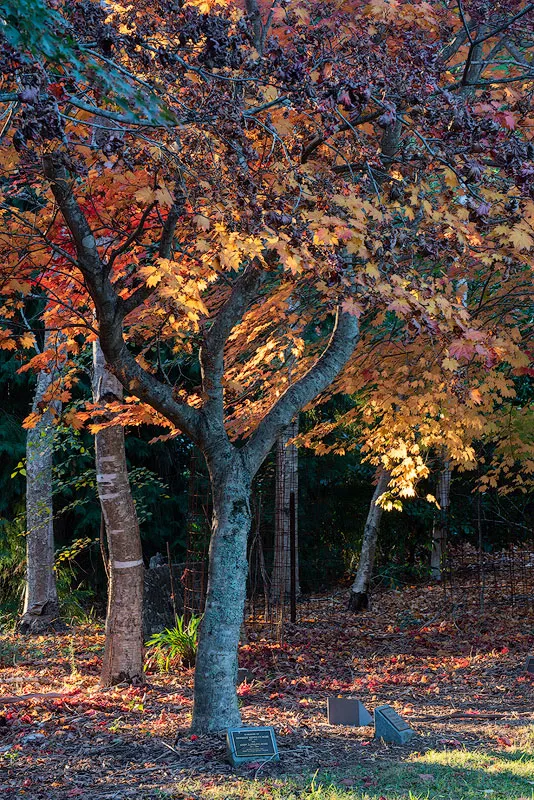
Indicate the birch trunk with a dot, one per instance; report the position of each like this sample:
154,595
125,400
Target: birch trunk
41,610
286,482
441,520
359,592
123,652
216,706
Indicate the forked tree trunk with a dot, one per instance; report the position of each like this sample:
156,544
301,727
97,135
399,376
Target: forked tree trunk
231,469
441,519
123,651
286,482
359,592
216,663
41,610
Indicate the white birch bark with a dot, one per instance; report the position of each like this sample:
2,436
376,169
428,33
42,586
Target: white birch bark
359,592
41,610
123,652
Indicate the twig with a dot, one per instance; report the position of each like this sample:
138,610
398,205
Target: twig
263,764
9,699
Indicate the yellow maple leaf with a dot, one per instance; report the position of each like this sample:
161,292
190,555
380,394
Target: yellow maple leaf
372,270
450,179
521,238
27,341
352,307
145,195
202,222
270,93
164,197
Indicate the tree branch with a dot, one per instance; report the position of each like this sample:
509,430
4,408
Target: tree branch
253,11
142,293
169,226
89,260
474,46
320,138
341,346
506,24
131,238
260,30
243,292
110,311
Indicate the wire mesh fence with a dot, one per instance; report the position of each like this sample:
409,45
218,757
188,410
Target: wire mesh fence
195,575
292,582
472,576
280,580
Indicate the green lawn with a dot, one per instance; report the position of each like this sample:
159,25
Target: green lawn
436,775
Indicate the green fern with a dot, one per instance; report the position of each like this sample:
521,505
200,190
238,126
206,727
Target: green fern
174,645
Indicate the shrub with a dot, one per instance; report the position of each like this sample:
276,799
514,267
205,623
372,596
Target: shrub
175,645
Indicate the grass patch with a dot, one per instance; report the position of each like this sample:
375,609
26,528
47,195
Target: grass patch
435,775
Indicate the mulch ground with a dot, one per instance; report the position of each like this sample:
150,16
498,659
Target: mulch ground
457,676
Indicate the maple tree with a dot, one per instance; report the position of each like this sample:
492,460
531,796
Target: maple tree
420,411
230,187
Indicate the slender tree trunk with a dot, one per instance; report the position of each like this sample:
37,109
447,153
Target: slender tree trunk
359,592
286,482
123,652
441,519
216,664
41,610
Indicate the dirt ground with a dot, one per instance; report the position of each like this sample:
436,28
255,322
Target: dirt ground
456,676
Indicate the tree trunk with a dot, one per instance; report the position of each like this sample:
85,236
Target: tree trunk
286,483
216,705
231,469
123,652
359,592
441,519
41,610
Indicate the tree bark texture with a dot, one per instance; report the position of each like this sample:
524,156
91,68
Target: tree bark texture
216,705
441,519
286,482
359,592
41,610
123,652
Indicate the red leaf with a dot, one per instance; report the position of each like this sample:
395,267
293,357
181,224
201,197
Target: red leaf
504,741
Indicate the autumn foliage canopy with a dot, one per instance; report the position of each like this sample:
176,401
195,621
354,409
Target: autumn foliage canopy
255,205
374,157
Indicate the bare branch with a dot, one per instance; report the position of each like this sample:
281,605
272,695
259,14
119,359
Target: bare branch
475,49
506,24
131,238
260,29
143,292
253,11
464,21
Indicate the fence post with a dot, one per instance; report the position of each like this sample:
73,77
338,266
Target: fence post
293,556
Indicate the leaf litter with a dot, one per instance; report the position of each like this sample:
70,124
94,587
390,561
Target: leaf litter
458,679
